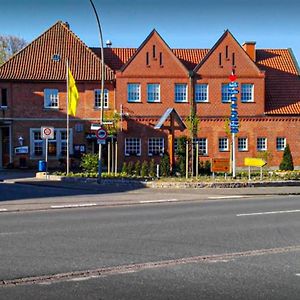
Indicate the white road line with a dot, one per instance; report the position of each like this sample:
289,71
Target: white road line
297,274
228,197
3,209
73,205
270,212
158,201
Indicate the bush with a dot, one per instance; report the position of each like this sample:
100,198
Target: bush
89,163
124,168
137,168
144,169
130,168
165,165
152,168
287,160
181,154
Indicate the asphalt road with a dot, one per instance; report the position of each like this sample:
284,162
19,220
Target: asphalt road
244,248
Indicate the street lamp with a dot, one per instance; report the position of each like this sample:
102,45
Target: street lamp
102,89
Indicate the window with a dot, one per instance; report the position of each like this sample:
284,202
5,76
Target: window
180,92
3,98
98,99
225,93
153,92
201,92
132,146
154,51
147,58
160,59
155,146
202,142
247,92
280,143
261,144
57,147
133,92
50,98
223,144
242,144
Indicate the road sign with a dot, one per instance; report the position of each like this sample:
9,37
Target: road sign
233,84
101,133
254,162
47,132
220,165
232,77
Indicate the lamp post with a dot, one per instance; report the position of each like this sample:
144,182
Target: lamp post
102,89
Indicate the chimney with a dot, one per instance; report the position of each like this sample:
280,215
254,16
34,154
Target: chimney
249,47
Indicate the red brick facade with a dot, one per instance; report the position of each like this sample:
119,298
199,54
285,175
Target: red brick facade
271,114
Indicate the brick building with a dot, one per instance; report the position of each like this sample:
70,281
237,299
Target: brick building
143,85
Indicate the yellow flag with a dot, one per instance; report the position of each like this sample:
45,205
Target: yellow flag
73,95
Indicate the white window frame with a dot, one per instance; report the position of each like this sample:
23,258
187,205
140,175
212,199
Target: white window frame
51,98
181,92
242,144
261,144
97,97
203,149
156,146
153,92
201,92
247,92
58,140
223,144
132,146
225,93
280,143
133,92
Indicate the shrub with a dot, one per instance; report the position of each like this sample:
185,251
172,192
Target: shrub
89,163
137,168
124,168
152,168
181,154
165,165
130,168
144,169
287,160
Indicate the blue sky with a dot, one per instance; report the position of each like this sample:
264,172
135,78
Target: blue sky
182,23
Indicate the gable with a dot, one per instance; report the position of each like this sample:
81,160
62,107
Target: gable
154,58
35,61
227,54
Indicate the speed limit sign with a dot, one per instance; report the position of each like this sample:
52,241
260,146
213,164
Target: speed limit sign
101,133
47,132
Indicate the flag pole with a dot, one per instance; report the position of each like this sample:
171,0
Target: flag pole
67,76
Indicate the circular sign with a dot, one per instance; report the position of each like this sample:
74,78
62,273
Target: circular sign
101,134
47,131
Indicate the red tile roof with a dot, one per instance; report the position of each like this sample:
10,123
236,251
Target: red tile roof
35,62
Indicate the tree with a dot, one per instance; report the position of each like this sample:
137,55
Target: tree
287,160
165,165
9,45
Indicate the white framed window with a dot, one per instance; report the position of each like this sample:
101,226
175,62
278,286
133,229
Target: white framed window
225,93
156,146
201,92
242,144
57,147
132,146
202,142
247,93
181,92
153,92
134,92
51,99
97,94
280,143
223,144
261,144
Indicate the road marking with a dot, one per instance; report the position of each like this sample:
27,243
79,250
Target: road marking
158,201
73,205
3,209
270,212
125,269
227,197
298,274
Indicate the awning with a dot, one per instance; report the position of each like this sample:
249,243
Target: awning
170,112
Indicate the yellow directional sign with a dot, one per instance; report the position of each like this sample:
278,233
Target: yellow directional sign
254,162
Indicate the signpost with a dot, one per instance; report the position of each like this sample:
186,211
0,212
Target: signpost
101,135
234,120
47,133
254,162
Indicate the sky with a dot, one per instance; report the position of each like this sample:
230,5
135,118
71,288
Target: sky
181,23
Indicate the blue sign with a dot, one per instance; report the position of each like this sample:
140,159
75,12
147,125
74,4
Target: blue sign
233,84
233,98
233,92
233,106
234,130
